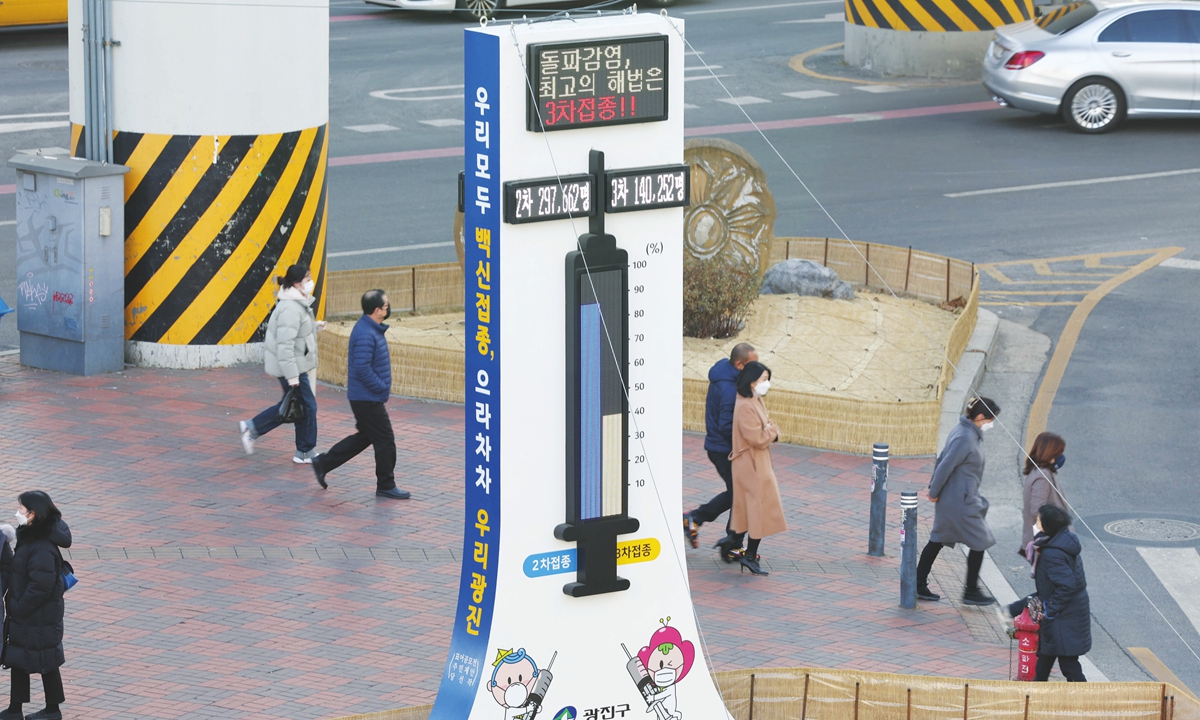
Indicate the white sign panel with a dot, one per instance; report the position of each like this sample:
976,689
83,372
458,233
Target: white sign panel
574,598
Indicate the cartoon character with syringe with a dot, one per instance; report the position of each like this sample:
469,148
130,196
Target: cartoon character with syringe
518,685
658,668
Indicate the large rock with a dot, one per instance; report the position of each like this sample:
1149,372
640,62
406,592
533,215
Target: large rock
805,277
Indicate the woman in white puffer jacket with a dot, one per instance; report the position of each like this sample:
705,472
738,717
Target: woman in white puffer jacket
290,348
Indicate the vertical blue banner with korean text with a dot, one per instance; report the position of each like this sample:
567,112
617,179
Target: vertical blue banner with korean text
466,664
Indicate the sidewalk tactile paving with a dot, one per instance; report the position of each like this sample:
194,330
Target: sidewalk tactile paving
216,585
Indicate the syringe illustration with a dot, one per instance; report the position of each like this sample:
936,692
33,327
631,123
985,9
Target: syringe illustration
645,684
538,695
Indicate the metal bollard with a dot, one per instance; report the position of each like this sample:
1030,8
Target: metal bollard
878,501
908,550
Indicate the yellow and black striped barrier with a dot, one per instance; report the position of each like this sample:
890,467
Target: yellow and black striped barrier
937,15
210,220
1055,14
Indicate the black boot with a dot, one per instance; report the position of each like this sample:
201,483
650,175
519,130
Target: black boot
730,548
977,597
752,565
48,713
12,712
924,593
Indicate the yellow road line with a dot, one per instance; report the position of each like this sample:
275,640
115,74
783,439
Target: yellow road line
1066,258
797,64
994,273
1034,292
1159,670
1020,303
1039,412
1059,282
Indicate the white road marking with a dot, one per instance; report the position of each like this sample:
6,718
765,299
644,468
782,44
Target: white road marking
402,93
831,17
29,126
9,352
689,106
877,88
8,222
380,127
693,52
1178,569
399,248
1172,262
702,67
443,122
689,78
764,7
743,100
810,94
1072,183
29,115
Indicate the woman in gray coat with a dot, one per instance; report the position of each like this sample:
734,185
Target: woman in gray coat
960,512
1041,482
290,350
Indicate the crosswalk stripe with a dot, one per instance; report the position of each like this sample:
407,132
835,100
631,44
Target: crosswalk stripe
1178,569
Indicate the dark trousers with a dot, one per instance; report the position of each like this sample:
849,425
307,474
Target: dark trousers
374,429
1069,664
306,429
712,509
930,553
51,683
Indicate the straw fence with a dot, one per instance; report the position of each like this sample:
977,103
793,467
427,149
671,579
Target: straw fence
822,421
816,694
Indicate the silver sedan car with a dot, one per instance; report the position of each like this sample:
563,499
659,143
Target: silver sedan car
1097,61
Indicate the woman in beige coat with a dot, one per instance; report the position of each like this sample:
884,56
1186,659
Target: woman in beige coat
757,508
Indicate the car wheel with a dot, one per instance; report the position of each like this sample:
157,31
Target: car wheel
478,9
1094,105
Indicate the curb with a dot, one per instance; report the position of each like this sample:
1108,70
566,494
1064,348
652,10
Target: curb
971,367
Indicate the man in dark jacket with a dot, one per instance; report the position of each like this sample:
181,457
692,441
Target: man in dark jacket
368,386
718,441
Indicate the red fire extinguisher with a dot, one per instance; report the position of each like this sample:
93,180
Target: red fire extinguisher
1026,636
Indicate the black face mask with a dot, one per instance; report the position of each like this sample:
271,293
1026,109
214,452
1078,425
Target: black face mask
388,314
1059,462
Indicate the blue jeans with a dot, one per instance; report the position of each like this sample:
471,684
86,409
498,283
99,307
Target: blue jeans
306,429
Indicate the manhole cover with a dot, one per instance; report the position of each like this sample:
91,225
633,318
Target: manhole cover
1156,529
52,65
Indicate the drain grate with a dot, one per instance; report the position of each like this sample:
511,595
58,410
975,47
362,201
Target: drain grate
1154,529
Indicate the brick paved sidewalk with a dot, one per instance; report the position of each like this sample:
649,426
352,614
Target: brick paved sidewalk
218,585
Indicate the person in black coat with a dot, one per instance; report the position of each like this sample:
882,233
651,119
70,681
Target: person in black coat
34,602
1066,629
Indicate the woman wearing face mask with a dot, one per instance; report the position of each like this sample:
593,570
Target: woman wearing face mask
757,509
290,347
34,602
1066,626
960,512
1041,482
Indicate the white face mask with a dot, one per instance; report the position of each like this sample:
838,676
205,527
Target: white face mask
664,677
762,387
308,287
986,426
515,695
21,519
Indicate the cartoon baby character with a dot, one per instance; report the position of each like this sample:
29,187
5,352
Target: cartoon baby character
668,658
512,680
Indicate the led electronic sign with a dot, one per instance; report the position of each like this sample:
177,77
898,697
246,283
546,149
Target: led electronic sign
549,199
648,188
597,82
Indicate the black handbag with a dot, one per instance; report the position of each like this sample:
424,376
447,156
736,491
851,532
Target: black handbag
291,410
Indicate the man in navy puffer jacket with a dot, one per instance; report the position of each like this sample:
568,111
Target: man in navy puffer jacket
718,421
368,386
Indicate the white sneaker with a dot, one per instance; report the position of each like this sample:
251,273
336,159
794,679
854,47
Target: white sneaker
305,458
247,439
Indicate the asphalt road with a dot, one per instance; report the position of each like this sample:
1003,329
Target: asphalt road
882,163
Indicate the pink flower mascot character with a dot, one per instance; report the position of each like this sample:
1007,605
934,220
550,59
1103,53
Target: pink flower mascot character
668,658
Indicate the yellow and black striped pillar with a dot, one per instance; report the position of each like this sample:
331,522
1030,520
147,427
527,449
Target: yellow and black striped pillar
929,38
210,221
221,112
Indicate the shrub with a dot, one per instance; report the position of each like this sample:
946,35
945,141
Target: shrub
716,297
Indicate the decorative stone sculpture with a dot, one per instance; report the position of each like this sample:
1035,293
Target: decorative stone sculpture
805,277
732,212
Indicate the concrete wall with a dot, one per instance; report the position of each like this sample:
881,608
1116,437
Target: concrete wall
917,53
